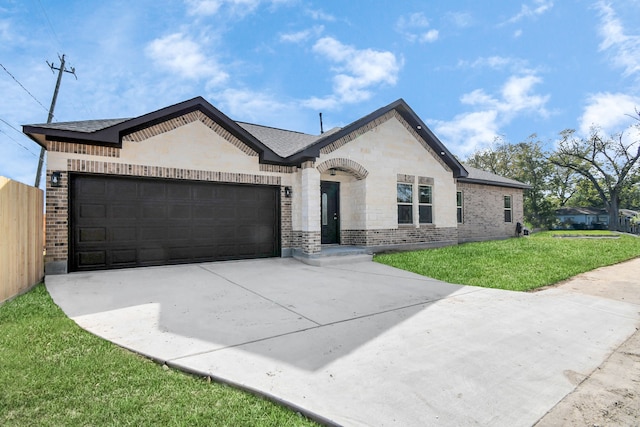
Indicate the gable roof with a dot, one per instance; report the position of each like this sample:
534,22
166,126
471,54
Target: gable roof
479,176
403,109
277,146
284,142
110,132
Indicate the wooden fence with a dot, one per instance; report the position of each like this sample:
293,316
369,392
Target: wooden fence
21,238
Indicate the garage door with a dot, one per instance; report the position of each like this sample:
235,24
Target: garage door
126,222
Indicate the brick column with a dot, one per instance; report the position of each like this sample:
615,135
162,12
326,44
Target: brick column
57,237
310,204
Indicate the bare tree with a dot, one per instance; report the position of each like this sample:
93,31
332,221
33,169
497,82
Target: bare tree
610,164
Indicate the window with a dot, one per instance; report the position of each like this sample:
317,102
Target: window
459,206
507,208
425,206
405,203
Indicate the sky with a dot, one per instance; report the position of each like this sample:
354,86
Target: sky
472,70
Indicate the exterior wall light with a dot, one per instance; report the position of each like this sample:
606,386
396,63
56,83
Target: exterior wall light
56,179
288,191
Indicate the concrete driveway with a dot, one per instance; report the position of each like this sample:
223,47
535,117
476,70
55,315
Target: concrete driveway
360,344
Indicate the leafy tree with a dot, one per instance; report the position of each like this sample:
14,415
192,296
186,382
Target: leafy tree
609,164
495,159
525,162
562,185
585,194
630,196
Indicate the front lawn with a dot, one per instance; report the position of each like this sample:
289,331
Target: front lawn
52,373
518,264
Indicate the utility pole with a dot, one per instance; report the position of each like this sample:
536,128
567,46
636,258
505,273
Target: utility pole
60,70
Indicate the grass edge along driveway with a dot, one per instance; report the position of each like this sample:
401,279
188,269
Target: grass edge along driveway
54,373
519,264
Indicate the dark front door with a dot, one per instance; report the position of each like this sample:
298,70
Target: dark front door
329,211
127,222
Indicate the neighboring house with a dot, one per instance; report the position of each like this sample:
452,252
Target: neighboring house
187,184
582,218
628,221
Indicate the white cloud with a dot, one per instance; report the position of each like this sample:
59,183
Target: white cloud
531,11
203,7
303,35
626,48
478,97
609,111
265,108
320,15
183,56
357,72
516,65
430,36
470,131
246,105
235,7
459,19
414,26
5,30
517,96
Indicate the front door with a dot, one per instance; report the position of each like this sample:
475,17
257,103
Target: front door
329,212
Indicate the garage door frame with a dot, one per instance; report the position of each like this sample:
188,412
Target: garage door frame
274,251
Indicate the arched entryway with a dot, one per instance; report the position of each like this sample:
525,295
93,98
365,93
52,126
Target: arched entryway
342,200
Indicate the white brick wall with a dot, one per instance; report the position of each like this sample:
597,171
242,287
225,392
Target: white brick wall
384,152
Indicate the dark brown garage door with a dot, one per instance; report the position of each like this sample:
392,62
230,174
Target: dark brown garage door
126,222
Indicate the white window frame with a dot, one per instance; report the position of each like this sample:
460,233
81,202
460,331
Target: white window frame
508,209
404,203
460,207
429,203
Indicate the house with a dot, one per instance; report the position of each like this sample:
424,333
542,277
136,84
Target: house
187,184
628,221
582,218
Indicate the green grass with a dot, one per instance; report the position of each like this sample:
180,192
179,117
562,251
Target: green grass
53,373
520,264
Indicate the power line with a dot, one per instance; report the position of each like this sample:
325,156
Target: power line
25,89
44,12
9,124
14,140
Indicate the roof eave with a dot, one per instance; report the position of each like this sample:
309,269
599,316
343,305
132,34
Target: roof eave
423,130
313,151
495,183
112,136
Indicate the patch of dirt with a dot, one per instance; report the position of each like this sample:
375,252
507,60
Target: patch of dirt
610,396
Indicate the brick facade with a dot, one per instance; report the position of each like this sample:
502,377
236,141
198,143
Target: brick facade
403,236
483,212
57,220
310,242
57,199
286,215
375,156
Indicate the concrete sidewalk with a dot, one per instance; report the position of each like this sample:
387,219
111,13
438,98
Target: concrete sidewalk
360,344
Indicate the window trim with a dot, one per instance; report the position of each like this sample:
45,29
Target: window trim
401,203
508,209
429,204
460,207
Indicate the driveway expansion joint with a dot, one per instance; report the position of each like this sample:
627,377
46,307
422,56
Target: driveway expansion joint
259,295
